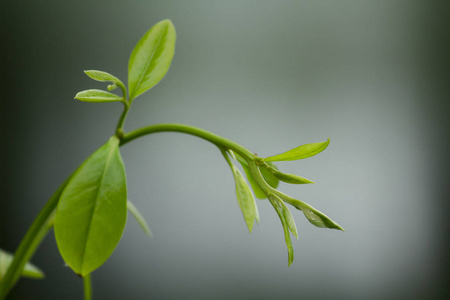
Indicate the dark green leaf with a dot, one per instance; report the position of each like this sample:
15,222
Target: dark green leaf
92,210
300,152
97,96
28,271
151,58
139,218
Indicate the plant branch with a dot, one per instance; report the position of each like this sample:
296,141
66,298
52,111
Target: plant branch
191,130
44,220
126,108
31,241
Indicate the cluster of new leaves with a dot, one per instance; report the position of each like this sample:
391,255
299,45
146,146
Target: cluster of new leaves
264,177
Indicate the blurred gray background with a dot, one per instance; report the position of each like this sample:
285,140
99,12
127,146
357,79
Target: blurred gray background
271,75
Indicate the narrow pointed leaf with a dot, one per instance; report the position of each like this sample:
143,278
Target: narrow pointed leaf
245,199
258,192
103,77
300,152
286,214
268,177
92,211
314,216
139,218
29,270
287,236
151,58
97,96
288,178
243,193
320,219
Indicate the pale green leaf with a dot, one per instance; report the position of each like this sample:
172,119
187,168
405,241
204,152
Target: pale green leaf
139,218
300,152
314,216
258,192
92,211
29,270
97,96
287,225
320,219
268,177
288,178
245,199
151,58
286,214
103,77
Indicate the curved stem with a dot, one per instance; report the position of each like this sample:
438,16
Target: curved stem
87,282
43,221
30,242
206,135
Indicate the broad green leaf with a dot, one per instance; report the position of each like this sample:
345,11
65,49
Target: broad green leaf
97,96
92,210
139,218
245,199
103,77
151,58
268,177
28,271
287,222
300,152
288,178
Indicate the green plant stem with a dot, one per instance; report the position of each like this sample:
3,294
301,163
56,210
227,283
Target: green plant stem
43,221
123,116
206,135
87,282
30,242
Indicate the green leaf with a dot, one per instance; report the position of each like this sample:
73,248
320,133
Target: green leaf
258,192
320,219
92,211
288,224
139,218
288,178
268,177
245,199
97,96
29,270
300,152
103,77
151,58
314,216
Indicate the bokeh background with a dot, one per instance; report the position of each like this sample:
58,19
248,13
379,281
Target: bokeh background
271,75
